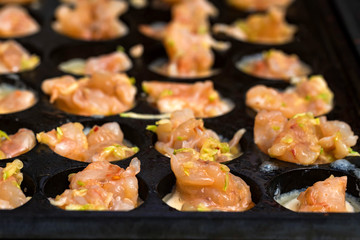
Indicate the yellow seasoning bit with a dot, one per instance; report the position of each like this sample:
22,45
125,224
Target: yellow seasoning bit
213,96
171,43
152,128
80,183
276,128
202,208
166,93
59,133
337,136
29,63
4,135
120,49
180,150
226,181
283,104
12,168
187,166
2,155
352,152
132,80
287,139
162,121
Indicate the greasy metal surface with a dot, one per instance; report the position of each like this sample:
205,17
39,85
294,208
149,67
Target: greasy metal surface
319,42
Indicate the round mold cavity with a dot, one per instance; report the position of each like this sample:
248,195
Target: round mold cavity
156,57
167,184
85,51
27,185
224,94
304,178
10,127
58,183
14,82
132,136
34,14
307,59
226,133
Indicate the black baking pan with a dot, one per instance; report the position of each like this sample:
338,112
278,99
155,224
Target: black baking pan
321,40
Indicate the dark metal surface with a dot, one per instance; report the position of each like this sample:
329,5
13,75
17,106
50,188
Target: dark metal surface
322,44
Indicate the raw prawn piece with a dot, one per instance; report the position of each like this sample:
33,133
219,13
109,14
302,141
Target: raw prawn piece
200,97
11,195
15,100
267,28
14,58
100,94
258,5
308,95
91,20
193,15
101,186
274,64
324,196
303,139
182,130
189,53
16,144
16,22
115,62
102,143
207,186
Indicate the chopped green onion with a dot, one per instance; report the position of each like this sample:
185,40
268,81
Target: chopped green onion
152,128
4,135
80,183
132,80
120,49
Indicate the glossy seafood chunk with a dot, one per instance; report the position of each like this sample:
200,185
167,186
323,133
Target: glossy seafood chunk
189,53
91,20
182,130
102,143
14,58
308,95
16,144
200,97
258,5
193,15
100,94
101,186
16,22
303,139
274,64
11,195
207,186
15,100
263,28
115,62
324,196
